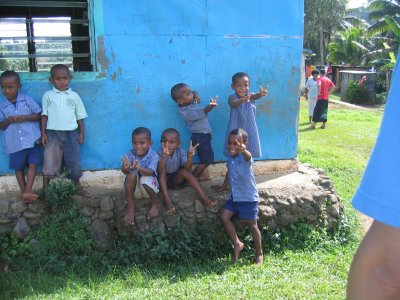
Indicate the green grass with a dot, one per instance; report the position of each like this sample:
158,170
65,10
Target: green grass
314,272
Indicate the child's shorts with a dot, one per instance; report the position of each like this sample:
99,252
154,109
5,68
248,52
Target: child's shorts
204,150
62,146
243,210
140,191
19,160
171,181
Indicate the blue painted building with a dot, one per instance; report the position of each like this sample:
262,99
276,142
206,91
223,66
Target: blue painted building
141,48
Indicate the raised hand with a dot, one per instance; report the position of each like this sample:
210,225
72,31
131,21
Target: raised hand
213,101
165,149
192,149
241,147
263,91
126,165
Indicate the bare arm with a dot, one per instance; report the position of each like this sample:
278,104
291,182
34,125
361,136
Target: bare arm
213,103
43,126
81,135
331,89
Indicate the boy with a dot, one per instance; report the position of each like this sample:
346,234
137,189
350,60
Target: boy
19,118
140,168
243,201
175,167
311,93
196,118
62,128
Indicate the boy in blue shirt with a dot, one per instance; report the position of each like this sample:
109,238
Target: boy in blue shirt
19,118
243,201
140,168
196,118
175,167
62,128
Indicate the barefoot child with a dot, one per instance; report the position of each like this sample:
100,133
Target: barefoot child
175,167
19,118
140,168
196,118
62,128
243,201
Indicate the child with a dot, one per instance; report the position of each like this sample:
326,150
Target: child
196,118
62,128
140,168
243,111
19,118
175,167
243,201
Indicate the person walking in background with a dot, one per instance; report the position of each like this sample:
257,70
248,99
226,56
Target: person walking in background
326,87
311,93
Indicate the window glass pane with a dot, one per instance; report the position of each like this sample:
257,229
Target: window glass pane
52,42
13,44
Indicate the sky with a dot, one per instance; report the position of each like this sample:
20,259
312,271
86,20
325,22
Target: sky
355,3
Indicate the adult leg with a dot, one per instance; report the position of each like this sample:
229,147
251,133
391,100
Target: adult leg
130,186
155,204
162,180
256,234
226,218
192,181
375,271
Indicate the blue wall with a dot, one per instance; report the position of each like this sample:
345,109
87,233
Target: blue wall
144,47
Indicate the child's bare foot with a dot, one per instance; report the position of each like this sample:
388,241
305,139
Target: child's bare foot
154,211
236,251
210,203
129,215
29,197
219,188
170,210
259,260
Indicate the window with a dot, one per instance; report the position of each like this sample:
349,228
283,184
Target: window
34,35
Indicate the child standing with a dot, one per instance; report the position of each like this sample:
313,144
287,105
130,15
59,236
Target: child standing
175,168
140,168
62,128
243,201
19,118
196,118
311,93
243,111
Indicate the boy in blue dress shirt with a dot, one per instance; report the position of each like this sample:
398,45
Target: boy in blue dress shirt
175,167
140,168
196,118
243,201
19,118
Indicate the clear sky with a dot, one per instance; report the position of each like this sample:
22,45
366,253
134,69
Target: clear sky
356,3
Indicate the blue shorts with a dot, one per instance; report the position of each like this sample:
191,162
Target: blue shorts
204,150
62,148
171,183
23,158
243,210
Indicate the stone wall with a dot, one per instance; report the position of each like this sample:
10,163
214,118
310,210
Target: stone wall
285,199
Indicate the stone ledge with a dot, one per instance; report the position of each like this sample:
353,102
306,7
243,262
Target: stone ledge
304,195
115,178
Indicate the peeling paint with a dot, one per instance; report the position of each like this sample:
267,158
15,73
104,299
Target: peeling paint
102,58
183,61
113,55
114,76
265,107
138,90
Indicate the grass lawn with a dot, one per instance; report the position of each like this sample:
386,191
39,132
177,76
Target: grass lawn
315,272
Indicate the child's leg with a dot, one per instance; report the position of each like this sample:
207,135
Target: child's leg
226,218
28,195
155,204
130,186
256,234
20,175
199,169
192,181
162,178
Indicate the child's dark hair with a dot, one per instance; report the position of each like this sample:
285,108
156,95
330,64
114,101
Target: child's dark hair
58,67
170,130
9,74
240,132
238,75
176,89
141,130
313,72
